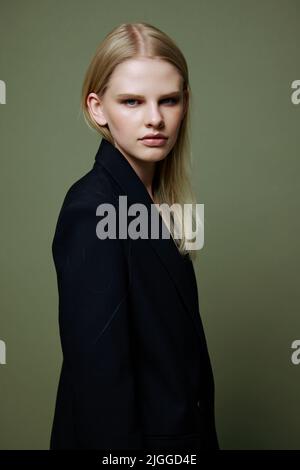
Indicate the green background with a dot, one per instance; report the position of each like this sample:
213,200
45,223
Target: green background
243,56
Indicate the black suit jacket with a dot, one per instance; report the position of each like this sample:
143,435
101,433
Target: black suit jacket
136,371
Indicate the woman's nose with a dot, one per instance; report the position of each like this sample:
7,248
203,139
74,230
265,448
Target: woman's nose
153,115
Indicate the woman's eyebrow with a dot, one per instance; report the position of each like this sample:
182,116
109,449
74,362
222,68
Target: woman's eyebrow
132,95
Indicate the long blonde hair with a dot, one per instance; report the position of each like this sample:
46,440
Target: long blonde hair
171,184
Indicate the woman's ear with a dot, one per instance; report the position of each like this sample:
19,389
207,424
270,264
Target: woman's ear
95,107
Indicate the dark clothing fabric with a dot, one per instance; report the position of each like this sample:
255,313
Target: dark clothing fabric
136,373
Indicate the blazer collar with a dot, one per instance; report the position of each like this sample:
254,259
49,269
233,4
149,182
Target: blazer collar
179,267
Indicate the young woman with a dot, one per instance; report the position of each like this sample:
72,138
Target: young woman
136,371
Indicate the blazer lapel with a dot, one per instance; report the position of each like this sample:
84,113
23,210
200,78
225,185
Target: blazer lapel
179,267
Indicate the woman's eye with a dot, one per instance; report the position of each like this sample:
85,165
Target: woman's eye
126,101
172,100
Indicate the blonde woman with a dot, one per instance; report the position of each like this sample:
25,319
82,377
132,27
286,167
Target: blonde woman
136,373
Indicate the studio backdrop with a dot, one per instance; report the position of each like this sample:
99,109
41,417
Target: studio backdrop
243,58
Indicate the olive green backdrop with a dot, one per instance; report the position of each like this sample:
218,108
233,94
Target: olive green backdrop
243,56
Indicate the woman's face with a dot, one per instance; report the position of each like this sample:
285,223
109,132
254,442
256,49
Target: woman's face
158,108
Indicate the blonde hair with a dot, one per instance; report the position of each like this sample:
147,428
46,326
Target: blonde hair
171,184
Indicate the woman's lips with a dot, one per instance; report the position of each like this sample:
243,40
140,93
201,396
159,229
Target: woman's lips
154,142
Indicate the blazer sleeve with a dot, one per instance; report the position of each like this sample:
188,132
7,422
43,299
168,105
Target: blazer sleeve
95,331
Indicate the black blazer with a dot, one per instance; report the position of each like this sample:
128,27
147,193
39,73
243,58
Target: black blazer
136,371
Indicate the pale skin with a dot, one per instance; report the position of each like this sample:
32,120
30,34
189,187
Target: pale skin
157,109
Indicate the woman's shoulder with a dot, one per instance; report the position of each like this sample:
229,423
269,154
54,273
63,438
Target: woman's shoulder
76,227
78,211
89,190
